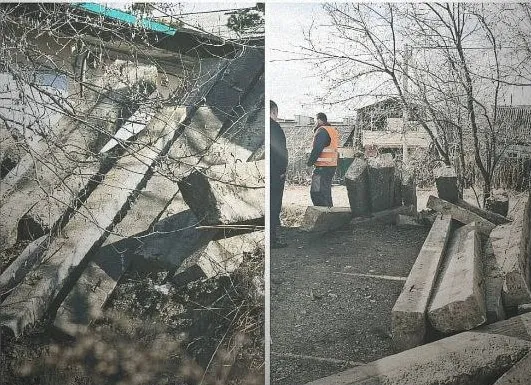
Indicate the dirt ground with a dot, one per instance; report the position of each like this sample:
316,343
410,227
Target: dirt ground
332,295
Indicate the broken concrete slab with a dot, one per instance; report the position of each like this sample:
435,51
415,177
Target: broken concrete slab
493,285
110,88
357,183
89,225
169,241
319,219
60,176
226,194
408,317
517,327
519,374
458,301
498,202
381,182
446,181
490,216
510,243
18,269
220,257
460,214
466,358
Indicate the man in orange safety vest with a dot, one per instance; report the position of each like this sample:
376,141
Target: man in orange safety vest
324,158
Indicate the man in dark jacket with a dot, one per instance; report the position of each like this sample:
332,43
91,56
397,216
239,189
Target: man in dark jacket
324,157
278,162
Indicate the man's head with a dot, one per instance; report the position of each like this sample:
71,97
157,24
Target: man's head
321,119
273,110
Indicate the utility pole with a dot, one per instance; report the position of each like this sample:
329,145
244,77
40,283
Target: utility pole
405,112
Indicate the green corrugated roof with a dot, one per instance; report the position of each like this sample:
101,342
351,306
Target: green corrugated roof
126,17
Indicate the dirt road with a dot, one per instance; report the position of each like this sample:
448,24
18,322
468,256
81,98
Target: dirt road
331,296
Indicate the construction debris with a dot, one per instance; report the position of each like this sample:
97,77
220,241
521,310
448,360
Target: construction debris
357,183
230,193
458,302
89,225
490,216
467,358
519,374
498,202
220,257
318,219
493,285
381,182
446,181
510,244
460,214
408,317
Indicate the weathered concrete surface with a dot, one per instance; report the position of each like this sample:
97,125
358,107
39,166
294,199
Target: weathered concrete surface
467,358
357,183
408,316
115,83
460,214
381,182
16,271
519,374
243,133
89,225
319,219
220,257
85,301
446,181
386,216
490,216
493,285
517,327
10,151
60,174
409,187
458,302
510,243
397,189
226,194
498,202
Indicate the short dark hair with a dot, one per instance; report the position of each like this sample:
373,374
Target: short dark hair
273,106
322,116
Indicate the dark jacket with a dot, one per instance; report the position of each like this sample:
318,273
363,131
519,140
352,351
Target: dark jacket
279,153
322,139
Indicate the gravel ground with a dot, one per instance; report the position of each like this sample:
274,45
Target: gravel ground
325,316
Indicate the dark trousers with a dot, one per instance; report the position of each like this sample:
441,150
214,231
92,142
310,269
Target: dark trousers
321,190
276,193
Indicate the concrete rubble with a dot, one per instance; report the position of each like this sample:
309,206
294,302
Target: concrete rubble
458,302
469,358
318,219
408,317
446,182
135,207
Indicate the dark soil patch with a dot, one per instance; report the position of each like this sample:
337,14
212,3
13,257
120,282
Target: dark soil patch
154,333
324,317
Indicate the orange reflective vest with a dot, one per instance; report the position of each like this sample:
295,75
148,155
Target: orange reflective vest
328,157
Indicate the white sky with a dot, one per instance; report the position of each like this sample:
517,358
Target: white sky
294,85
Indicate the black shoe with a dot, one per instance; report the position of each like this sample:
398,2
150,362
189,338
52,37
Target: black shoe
278,244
